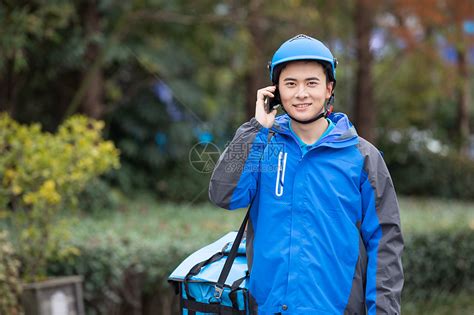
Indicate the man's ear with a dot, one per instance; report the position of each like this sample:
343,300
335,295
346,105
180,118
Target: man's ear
329,88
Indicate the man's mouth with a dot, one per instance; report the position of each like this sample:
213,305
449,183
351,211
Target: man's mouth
301,106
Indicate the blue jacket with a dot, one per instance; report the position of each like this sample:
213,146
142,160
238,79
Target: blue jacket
324,232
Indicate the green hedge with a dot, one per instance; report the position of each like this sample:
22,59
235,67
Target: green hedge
432,263
448,176
119,275
442,261
424,173
112,260
126,257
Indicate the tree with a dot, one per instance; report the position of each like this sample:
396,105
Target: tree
418,23
364,109
255,77
93,102
25,27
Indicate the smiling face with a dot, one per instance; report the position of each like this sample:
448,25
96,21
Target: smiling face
304,89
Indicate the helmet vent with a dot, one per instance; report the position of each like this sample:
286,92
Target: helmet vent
299,37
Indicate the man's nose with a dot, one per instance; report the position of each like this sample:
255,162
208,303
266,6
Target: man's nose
302,92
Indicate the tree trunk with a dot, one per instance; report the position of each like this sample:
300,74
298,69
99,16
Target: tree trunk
463,102
7,79
364,109
255,78
7,88
92,103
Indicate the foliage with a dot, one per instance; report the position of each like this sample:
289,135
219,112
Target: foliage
211,54
43,173
151,240
10,285
155,150
417,170
441,303
32,33
441,260
23,26
184,184
147,242
98,197
411,92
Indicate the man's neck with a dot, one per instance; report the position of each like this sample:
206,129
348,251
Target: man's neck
310,133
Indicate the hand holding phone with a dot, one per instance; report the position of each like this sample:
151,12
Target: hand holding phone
268,100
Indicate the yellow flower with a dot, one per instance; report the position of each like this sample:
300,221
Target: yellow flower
29,198
16,190
98,125
10,174
49,193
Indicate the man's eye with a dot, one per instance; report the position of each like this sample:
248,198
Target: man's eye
290,84
312,83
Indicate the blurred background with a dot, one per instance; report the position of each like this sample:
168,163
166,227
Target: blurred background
164,84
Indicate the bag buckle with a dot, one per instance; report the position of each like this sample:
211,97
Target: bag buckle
218,291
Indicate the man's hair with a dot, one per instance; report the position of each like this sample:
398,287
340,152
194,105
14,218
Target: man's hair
326,68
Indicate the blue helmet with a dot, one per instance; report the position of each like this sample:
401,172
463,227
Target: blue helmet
303,47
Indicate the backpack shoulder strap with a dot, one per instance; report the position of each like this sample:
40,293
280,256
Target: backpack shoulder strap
219,287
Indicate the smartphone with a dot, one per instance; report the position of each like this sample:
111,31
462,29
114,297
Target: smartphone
272,102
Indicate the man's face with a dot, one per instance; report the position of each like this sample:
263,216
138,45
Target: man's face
303,89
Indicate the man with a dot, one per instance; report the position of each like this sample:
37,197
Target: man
324,232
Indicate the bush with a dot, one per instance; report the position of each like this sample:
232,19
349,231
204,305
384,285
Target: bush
98,197
128,255
442,303
43,173
442,261
421,172
433,263
142,246
183,183
123,272
10,284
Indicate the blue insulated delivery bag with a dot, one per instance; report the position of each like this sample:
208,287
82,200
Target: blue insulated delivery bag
214,279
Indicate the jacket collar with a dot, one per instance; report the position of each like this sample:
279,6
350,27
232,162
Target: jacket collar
343,134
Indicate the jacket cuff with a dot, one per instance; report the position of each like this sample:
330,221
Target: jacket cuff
254,123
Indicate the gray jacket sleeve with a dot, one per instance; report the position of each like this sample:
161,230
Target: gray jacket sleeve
382,235
234,181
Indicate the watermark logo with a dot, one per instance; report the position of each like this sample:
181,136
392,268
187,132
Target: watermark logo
203,157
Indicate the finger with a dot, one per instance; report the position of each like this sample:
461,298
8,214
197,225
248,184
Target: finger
268,88
262,94
273,113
